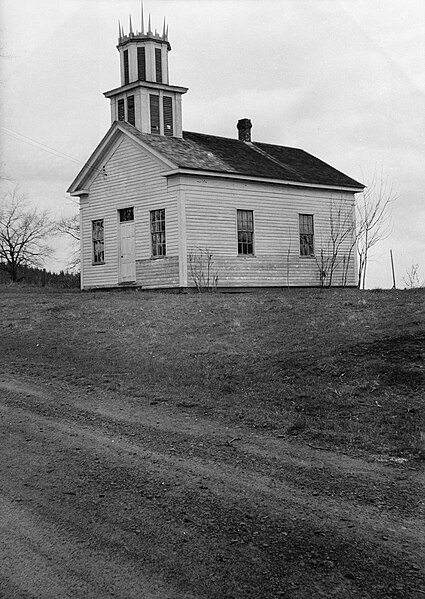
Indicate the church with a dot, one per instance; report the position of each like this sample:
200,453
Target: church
164,208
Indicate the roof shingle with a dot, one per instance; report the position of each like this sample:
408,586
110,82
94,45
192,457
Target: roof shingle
204,152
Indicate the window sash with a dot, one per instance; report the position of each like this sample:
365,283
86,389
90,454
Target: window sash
245,224
126,214
98,242
306,234
158,233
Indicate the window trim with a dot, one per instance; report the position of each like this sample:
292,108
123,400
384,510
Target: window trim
154,255
151,107
141,63
121,109
131,110
126,65
312,253
93,241
158,66
126,215
250,254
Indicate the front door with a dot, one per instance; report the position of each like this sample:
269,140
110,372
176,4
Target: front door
127,247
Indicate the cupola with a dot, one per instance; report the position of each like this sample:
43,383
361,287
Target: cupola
145,98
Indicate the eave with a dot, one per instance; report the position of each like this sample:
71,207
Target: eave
148,84
80,187
236,176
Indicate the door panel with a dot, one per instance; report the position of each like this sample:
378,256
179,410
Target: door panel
127,254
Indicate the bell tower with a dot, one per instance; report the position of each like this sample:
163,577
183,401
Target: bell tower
145,98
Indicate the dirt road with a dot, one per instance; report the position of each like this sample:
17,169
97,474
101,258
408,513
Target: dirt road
105,495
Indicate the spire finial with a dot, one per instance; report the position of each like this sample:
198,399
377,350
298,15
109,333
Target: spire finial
166,34
163,30
142,19
119,30
149,25
131,27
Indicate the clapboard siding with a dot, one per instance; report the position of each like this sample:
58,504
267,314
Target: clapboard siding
159,273
129,178
211,207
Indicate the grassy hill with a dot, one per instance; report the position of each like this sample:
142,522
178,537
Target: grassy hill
337,368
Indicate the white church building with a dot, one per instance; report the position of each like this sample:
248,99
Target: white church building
153,196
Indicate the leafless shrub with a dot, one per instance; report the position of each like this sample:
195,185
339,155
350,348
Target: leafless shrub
412,280
202,270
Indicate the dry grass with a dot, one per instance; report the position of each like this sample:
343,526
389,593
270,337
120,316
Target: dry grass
340,368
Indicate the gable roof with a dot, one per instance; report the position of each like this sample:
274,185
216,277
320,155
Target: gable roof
210,153
200,151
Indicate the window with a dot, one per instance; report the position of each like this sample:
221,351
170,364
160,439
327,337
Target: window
126,214
126,68
158,232
98,242
168,115
141,64
121,110
130,110
158,65
306,235
245,231
154,106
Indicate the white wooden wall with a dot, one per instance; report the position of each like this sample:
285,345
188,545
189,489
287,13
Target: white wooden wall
130,178
211,206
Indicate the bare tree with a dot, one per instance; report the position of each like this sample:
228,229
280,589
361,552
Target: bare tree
70,225
23,234
337,250
373,220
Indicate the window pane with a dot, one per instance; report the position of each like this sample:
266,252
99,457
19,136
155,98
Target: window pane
306,235
98,242
245,222
157,218
126,214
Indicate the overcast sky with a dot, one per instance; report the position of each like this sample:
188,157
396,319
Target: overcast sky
342,79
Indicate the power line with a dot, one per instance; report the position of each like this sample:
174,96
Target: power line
45,148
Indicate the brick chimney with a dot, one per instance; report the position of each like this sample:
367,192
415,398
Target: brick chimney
244,129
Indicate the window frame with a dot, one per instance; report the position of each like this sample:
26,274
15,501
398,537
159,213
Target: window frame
309,245
154,111
100,239
251,232
168,115
131,110
121,109
126,67
158,65
126,215
141,63
158,233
